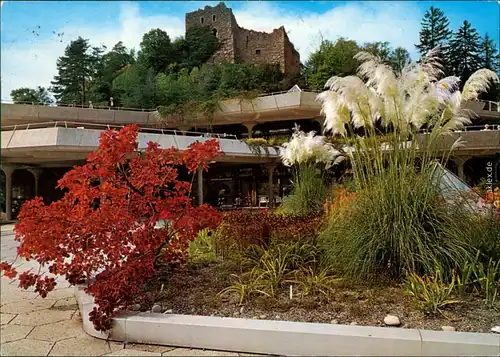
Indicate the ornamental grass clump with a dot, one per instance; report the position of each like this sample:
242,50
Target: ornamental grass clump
398,221
309,156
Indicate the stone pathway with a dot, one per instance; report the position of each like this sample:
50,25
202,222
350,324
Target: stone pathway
32,326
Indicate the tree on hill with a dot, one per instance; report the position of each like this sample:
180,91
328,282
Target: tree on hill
398,58
331,59
380,49
198,46
434,32
77,69
157,51
24,95
111,65
464,52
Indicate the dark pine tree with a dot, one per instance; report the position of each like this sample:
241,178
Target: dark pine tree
77,68
435,32
490,58
465,52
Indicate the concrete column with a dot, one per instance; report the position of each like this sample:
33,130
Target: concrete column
8,171
199,173
321,125
496,167
36,173
249,127
460,161
270,193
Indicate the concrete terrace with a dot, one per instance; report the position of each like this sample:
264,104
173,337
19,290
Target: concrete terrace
56,142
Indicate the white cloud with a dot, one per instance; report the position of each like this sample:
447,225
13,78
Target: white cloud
396,22
32,63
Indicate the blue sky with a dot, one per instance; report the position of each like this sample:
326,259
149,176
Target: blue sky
35,33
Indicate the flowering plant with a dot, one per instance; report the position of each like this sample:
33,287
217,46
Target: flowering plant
308,148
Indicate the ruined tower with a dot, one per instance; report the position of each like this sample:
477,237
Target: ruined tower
241,45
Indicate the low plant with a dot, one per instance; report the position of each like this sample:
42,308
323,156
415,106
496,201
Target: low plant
487,277
244,288
202,249
429,292
311,281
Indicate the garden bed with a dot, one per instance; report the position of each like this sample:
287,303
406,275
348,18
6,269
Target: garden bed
195,291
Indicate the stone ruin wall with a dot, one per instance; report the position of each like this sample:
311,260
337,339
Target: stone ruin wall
248,46
223,22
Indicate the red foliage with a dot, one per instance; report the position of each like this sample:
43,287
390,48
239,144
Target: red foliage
104,230
247,227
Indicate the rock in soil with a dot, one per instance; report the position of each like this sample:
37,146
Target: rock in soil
236,313
156,308
263,316
354,323
135,307
334,322
448,328
391,320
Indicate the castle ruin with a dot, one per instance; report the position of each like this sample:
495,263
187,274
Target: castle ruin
239,45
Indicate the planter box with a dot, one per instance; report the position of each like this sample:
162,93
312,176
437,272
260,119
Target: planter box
286,338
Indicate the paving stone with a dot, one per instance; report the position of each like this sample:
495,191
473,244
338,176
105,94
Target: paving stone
26,306
26,348
81,346
148,348
6,318
127,352
65,304
197,352
41,317
13,332
57,331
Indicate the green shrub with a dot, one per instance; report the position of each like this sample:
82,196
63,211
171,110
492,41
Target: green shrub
397,224
308,195
430,293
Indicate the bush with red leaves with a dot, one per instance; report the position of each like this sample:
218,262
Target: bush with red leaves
246,227
104,232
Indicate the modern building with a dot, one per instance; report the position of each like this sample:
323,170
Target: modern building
40,143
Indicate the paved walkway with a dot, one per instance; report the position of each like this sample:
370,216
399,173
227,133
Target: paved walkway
32,326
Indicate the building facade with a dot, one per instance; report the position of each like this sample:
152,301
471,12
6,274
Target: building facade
239,45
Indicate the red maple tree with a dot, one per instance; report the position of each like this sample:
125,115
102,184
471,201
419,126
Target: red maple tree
105,231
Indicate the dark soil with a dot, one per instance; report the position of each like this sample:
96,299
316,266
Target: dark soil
194,291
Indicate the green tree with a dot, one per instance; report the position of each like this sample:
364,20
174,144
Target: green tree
381,49
464,51
157,51
40,95
331,59
111,65
398,58
434,32
77,69
489,58
488,55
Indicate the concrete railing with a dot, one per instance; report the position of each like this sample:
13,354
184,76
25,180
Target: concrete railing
80,125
